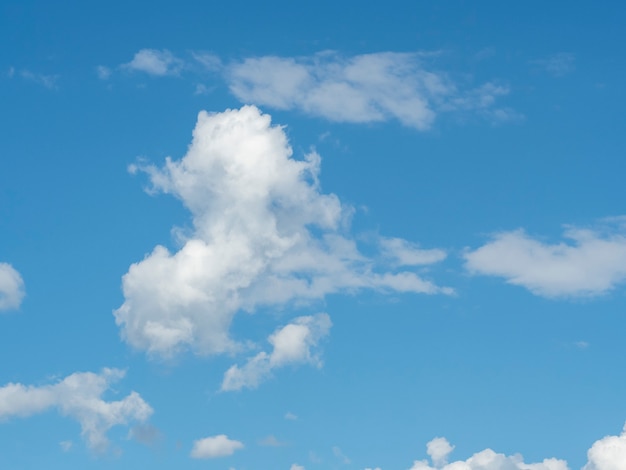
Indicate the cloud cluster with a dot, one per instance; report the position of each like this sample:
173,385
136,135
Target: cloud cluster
215,446
263,235
11,287
363,88
78,396
438,450
292,344
591,264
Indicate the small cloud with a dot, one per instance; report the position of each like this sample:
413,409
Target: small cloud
155,62
557,65
341,456
202,89
271,441
291,416
11,72
104,73
295,466
66,445
581,344
438,450
209,61
48,81
215,446
11,288
588,262
292,344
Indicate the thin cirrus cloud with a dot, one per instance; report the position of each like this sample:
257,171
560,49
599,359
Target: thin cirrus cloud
78,396
361,89
292,344
590,262
263,235
11,288
214,447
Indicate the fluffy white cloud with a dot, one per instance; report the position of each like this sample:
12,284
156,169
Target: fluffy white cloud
11,287
439,448
404,253
263,235
362,88
591,264
292,344
215,446
608,453
78,396
155,62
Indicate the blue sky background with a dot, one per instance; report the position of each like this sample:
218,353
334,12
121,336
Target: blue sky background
525,357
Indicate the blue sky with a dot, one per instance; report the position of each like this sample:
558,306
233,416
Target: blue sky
286,236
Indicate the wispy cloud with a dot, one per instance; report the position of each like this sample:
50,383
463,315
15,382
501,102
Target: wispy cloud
363,88
78,396
591,261
556,65
48,81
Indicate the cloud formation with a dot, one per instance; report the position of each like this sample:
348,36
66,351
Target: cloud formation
359,89
215,446
438,449
591,262
292,344
11,288
608,453
263,235
78,396
154,62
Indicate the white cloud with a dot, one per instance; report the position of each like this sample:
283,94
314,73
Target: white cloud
215,446
295,466
292,344
78,396
155,62
290,416
363,88
591,264
11,287
608,453
263,235
439,448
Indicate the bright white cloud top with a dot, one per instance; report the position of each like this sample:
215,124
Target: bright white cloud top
363,88
292,344
215,446
263,235
11,288
78,396
592,265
